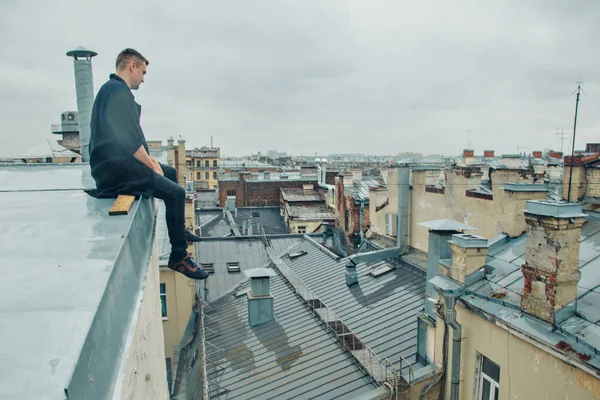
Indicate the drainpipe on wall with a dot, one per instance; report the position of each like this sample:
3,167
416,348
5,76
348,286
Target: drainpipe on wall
451,290
362,235
450,302
403,199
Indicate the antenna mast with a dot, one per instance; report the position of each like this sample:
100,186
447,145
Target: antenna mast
579,82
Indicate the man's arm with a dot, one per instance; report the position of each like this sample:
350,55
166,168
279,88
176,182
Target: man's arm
142,156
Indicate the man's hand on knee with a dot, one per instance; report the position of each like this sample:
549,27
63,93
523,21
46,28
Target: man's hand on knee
157,167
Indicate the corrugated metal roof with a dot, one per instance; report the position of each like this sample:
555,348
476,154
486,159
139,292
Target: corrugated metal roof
309,212
207,199
507,278
382,311
269,218
215,227
283,244
248,252
293,357
301,195
244,164
360,188
493,162
213,224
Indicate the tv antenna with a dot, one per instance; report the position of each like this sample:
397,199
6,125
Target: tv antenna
579,82
562,135
469,141
521,147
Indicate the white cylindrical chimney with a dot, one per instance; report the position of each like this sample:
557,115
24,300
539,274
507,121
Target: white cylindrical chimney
84,87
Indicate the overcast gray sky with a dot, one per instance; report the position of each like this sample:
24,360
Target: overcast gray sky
306,77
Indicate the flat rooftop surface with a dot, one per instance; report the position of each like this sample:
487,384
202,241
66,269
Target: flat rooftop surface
58,251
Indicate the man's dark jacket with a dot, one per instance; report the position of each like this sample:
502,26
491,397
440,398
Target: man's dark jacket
115,135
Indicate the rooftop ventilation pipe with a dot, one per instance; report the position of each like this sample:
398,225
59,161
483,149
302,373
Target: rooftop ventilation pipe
355,259
84,87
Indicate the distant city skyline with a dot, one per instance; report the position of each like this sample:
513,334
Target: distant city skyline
301,77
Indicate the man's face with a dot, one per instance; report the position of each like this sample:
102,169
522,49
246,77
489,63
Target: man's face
137,74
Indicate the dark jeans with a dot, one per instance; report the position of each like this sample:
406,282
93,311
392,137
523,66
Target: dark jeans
168,190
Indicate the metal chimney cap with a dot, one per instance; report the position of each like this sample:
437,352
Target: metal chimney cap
259,273
81,52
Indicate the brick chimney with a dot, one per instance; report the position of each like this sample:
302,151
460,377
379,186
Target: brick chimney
551,268
488,153
555,154
468,255
468,153
536,154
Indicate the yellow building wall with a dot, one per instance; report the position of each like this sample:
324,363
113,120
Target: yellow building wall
180,298
181,294
503,214
198,173
526,371
144,375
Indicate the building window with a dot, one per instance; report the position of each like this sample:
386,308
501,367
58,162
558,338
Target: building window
198,176
231,192
215,163
489,378
198,163
215,175
302,229
207,163
169,374
206,175
163,299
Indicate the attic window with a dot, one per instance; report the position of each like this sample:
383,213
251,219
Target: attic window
233,267
255,214
209,268
382,270
297,254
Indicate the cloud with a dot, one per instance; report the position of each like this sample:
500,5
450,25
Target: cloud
377,77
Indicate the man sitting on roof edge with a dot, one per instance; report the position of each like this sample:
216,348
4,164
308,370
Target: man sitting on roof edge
120,161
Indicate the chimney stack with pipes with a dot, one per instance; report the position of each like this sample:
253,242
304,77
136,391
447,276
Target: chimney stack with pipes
260,301
551,268
84,88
